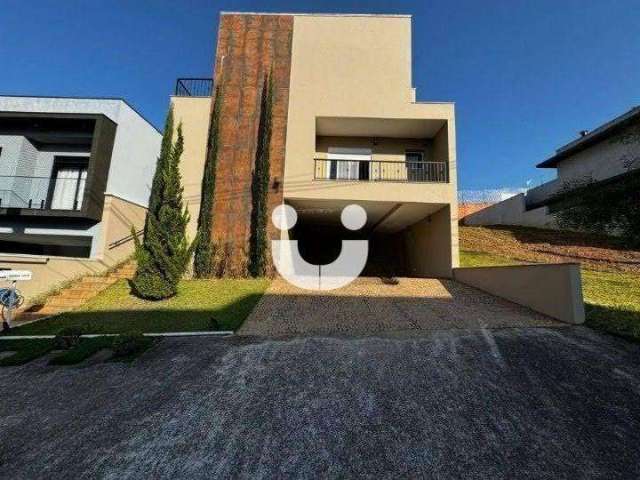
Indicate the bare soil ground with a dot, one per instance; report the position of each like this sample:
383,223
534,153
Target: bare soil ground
537,245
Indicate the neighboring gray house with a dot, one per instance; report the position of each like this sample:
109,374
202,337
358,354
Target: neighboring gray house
604,155
75,176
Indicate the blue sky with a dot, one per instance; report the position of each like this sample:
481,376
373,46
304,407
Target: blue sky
526,76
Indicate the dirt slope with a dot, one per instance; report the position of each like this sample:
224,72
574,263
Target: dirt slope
537,245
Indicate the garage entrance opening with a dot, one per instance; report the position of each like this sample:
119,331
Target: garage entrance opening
405,239
321,245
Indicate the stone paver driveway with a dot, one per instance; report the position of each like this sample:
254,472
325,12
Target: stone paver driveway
370,306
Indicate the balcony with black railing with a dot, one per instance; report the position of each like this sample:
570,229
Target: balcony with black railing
194,87
381,171
43,193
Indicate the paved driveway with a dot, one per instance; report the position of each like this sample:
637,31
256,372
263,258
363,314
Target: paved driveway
509,403
370,306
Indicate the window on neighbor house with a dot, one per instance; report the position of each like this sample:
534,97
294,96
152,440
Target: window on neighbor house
69,177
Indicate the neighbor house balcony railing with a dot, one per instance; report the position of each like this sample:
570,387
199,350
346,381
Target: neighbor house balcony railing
43,193
381,171
194,87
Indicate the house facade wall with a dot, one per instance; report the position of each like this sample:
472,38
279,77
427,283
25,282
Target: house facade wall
324,66
357,67
136,146
382,149
135,152
193,113
603,160
249,47
115,246
131,168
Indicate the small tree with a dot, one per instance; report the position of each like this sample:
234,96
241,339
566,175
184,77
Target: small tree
165,252
260,184
204,253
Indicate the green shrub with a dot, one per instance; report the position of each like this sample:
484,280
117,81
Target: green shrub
67,338
83,350
25,350
130,345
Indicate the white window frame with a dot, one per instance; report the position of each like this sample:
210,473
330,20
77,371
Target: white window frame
349,170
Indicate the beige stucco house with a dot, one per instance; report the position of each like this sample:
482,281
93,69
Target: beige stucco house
346,129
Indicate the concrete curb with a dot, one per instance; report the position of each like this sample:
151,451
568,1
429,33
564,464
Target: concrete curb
223,333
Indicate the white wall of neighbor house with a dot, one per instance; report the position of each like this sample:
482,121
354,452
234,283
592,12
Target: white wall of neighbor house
135,153
512,211
603,160
106,106
136,146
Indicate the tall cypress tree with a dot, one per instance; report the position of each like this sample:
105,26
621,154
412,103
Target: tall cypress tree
260,184
157,187
165,252
203,257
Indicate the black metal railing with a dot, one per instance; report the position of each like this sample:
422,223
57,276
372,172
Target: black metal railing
194,87
42,193
381,171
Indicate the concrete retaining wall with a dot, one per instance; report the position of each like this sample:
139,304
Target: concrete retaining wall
512,211
552,289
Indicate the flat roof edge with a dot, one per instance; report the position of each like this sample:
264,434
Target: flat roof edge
63,97
597,135
392,15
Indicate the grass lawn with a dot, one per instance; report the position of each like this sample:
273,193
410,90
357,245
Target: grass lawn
24,350
86,348
115,310
612,299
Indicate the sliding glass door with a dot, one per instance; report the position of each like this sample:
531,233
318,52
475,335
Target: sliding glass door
348,163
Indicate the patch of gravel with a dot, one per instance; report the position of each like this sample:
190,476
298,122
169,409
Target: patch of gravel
370,306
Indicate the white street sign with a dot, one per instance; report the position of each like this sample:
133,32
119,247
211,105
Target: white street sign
15,274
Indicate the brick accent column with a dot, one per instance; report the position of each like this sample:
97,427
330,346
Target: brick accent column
249,46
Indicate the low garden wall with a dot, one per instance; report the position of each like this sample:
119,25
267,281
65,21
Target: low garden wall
552,289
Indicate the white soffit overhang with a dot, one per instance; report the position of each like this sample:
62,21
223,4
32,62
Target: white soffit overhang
377,127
